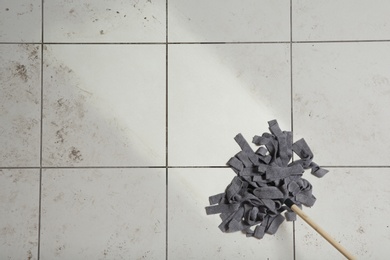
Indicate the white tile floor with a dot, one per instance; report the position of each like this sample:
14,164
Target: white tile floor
117,119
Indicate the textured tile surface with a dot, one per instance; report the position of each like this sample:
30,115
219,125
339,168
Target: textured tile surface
20,21
340,20
103,214
217,91
351,206
105,21
218,21
107,75
19,207
20,94
194,235
104,105
341,100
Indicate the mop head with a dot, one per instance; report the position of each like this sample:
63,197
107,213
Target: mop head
265,179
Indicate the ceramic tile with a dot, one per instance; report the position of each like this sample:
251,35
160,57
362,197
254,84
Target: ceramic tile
19,207
220,21
341,96
103,214
218,91
194,235
105,21
352,206
20,21
340,20
20,105
104,105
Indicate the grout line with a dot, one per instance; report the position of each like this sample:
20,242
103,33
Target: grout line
17,43
19,168
291,73
294,241
357,166
103,167
166,130
216,43
179,167
41,138
106,43
190,43
292,110
342,41
209,167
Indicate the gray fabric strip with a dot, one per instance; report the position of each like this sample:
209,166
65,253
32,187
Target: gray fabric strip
265,179
261,151
268,193
290,215
246,148
244,158
216,198
274,225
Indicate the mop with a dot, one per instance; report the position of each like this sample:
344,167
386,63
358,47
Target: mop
267,184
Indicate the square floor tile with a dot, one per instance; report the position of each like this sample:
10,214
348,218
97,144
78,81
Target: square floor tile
19,207
236,21
104,105
341,101
353,207
218,91
20,105
20,21
194,235
340,20
105,21
103,214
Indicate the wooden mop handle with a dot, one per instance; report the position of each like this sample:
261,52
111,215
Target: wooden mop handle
320,231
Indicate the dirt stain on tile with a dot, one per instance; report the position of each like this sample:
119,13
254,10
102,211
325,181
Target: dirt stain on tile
145,255
360,230
66,110
156,227
29,255
60,135
75,155
21,72
32,50
59,197
15,178
59,250
29,9
23,126
65,107
7,231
